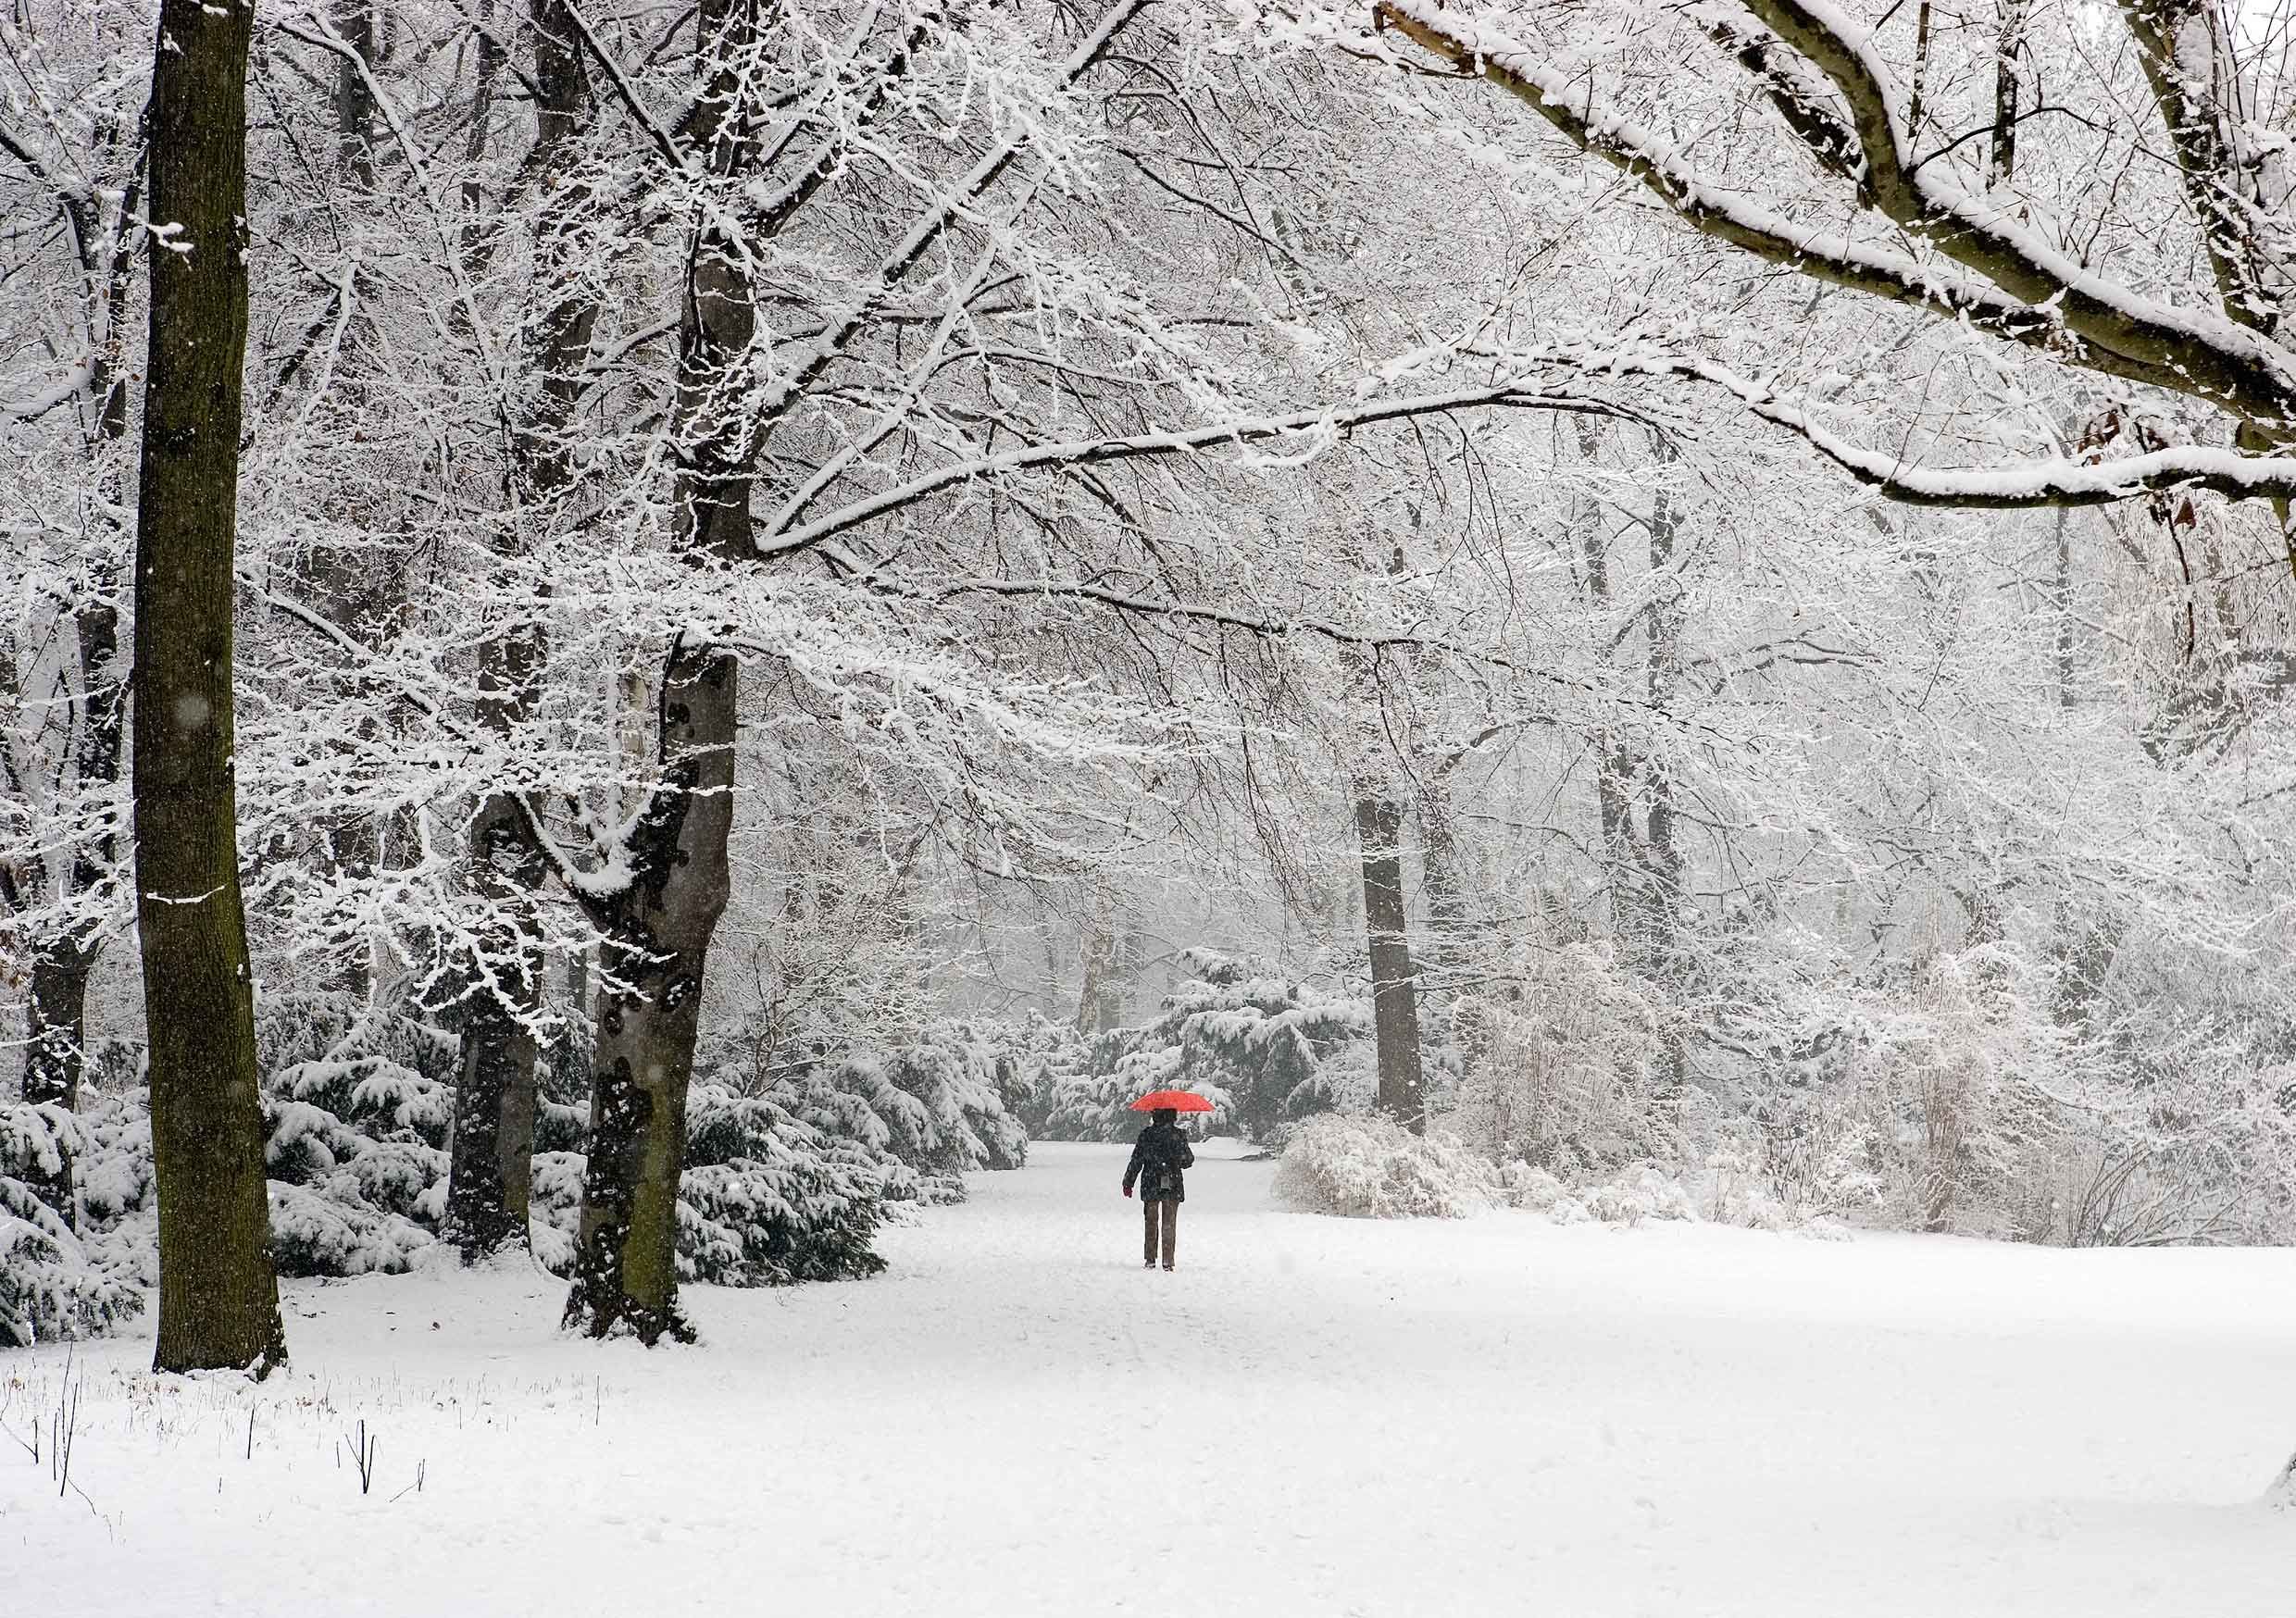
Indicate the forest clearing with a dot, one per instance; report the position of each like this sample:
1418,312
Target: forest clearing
1310,1417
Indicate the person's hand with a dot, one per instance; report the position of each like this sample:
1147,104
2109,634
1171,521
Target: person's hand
1127,1190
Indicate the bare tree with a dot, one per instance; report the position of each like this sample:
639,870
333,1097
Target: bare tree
63,903
495,1088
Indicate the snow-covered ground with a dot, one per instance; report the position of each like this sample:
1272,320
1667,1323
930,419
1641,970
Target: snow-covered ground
1311,1416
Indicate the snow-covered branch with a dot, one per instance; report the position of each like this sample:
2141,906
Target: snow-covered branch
1311,429
2030,292
2011,486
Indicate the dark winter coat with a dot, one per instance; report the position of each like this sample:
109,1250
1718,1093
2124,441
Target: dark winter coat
1157,1158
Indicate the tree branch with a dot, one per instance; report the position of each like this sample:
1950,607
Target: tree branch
2040,297
2018,487
1515,394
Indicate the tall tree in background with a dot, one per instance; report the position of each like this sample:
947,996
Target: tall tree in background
218,1300
657,928
61,902
495,1094
1380,815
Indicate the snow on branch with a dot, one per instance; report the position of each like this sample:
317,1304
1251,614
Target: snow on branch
65,388
1803,104
1315,427
2043,483
587,885
1196,613
838,333
664,143
2039,295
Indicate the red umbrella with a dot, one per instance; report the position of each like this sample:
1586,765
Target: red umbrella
1180,1101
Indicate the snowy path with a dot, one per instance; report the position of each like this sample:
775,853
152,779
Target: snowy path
1313,1417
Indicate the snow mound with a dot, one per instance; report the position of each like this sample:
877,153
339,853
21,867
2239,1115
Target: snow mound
1371,1168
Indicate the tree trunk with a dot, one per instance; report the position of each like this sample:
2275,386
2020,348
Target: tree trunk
349,841
218,1301
655,956
495,1099
57,1011
56,1006
571,1052
1634,791
2011,44
1438,864
1394,987
490,1173
55,1053
1661,876
1106,964
355,103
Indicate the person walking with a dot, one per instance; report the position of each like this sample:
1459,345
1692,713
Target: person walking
1158,1157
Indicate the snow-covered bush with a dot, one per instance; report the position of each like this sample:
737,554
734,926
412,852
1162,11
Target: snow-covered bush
357,1157
1794,1163
1033,1055
2282,1494
767,1200
1085,1094
355,1153
1562,1049
1627,1196
323,1232
1945,1067
51,1283
2210,1160
1523,1185
1634,1195
554,1208
1363,1167
945,1104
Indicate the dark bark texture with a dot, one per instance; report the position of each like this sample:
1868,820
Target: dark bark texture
1394,986
491,1170
355,102
655,954
658,929
218,1301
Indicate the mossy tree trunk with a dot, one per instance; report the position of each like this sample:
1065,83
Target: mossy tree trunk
653,959
218,1300
658,929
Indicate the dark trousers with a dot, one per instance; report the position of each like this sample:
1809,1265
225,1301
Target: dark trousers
1168,1213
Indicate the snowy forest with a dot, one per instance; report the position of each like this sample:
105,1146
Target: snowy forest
643,639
